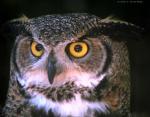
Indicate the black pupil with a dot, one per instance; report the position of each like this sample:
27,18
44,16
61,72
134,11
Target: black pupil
78,48
39,47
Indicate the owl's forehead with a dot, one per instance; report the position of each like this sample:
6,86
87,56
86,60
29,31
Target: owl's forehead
58,28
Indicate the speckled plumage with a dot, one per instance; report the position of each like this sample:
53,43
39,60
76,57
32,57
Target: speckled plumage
105,87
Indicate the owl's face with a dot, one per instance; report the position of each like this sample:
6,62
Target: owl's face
78,60
60,60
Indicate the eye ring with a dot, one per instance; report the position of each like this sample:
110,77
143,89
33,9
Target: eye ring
78,49
37,49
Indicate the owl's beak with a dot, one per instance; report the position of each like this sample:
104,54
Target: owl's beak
51,66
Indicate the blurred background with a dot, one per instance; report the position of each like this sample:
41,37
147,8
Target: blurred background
134,11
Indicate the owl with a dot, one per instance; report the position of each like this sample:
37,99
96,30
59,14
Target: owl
70,65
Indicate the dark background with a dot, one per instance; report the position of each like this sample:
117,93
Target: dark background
134,11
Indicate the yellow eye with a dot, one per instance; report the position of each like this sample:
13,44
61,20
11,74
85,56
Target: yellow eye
37,49
78,49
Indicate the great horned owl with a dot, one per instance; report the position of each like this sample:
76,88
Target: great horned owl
72,65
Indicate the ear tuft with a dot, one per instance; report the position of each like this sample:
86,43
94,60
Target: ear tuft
13,28
114,19
22,19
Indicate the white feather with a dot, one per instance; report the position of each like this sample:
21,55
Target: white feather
86,80
75,107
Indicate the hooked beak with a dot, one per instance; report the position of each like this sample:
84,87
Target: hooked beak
51,66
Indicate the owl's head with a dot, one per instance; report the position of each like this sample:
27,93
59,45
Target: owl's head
54,50
57,58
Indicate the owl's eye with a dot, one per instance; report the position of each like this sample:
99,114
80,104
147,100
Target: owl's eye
78,49
37,49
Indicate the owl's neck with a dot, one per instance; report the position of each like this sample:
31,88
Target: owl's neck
76,107
75,101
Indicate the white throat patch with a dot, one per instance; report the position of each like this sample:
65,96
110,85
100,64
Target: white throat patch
76,107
